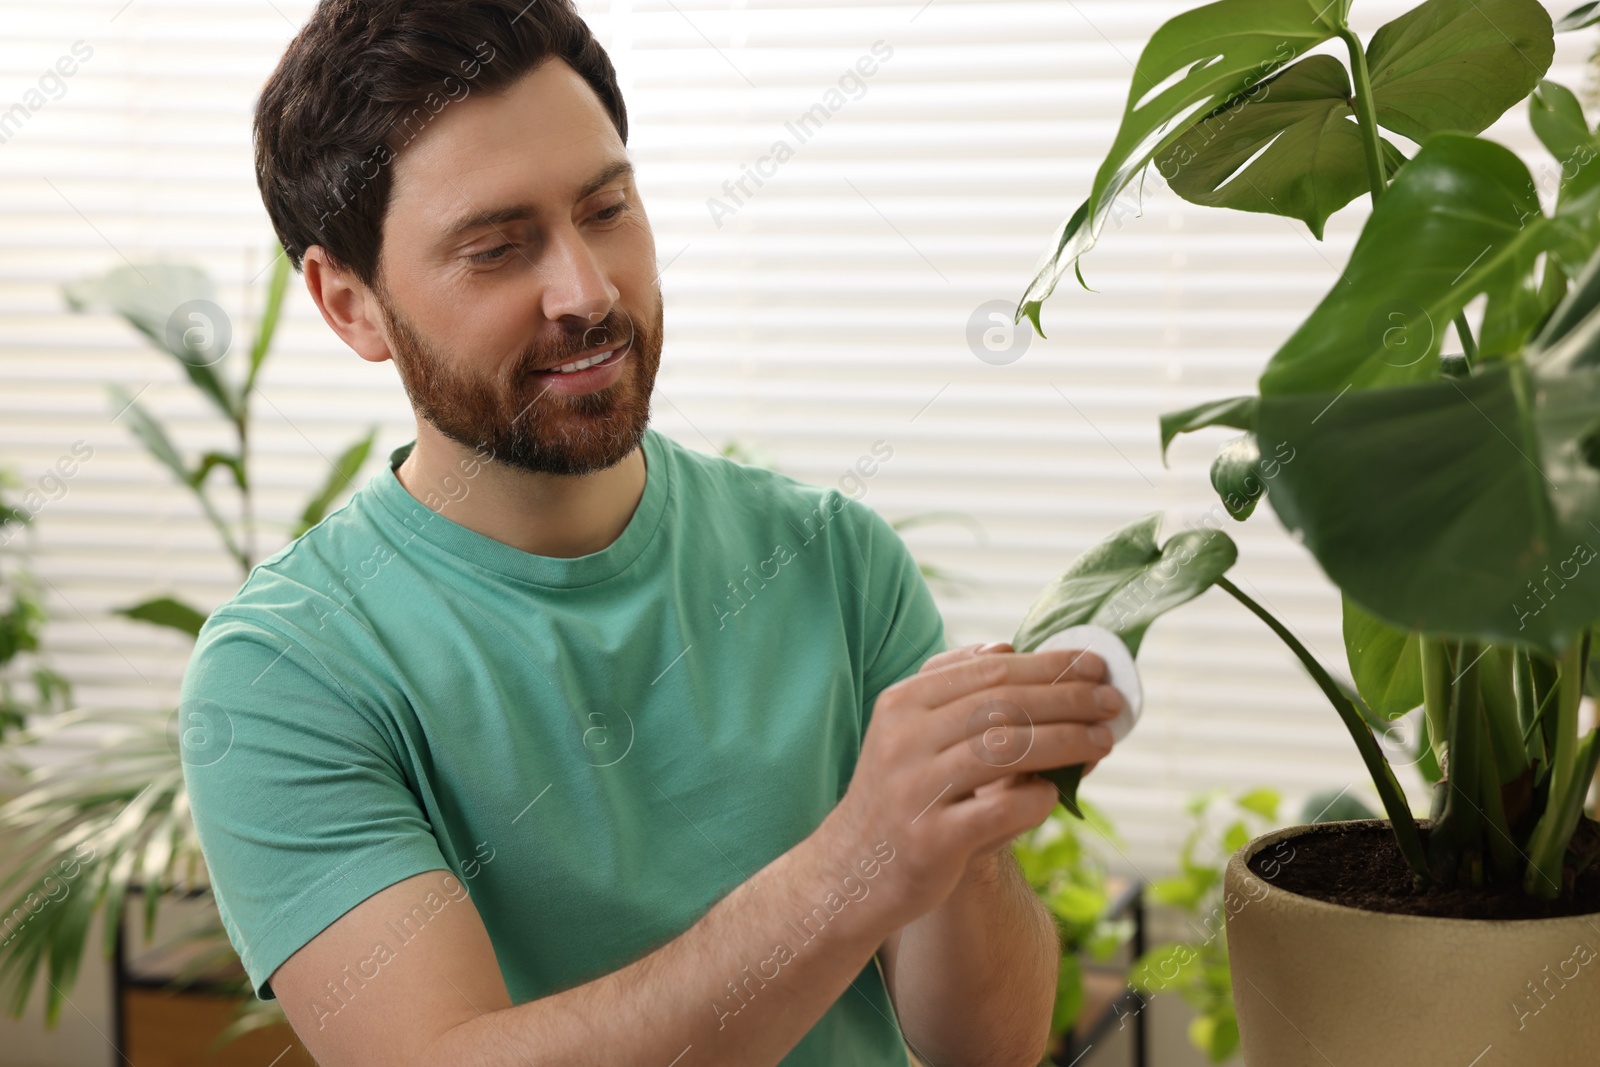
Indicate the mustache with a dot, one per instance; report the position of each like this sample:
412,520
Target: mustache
616,329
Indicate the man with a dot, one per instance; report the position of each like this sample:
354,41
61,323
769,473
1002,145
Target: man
562,743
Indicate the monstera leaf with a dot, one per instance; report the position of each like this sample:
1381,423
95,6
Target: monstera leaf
1458,64
1238,412
1197,61
1126,582
1464,507
1289,146
1123,584
1385,663
1461,219
1241,129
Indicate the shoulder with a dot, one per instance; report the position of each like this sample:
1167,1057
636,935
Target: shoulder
293,598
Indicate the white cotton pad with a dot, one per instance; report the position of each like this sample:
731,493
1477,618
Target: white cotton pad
1121,674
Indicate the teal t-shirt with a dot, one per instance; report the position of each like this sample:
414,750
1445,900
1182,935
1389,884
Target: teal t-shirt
598,748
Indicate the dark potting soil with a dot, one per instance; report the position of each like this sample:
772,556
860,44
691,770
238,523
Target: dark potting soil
1361,867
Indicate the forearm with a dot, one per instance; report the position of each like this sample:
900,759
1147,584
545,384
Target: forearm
974,980
722,993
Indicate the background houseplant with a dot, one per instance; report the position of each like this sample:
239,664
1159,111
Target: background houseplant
124,821
1453,497
1065,869
27,683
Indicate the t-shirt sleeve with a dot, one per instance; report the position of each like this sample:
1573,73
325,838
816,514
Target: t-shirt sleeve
903,626
299,803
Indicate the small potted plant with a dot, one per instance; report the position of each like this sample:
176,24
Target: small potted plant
1450,491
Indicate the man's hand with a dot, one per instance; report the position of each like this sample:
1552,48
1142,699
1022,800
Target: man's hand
945,774
966,651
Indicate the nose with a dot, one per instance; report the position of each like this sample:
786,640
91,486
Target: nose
579,290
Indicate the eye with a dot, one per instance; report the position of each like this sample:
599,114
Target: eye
611,212
491,256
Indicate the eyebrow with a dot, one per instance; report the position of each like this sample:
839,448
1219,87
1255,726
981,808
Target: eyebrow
620,168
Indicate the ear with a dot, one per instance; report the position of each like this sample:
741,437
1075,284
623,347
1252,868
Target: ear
347,304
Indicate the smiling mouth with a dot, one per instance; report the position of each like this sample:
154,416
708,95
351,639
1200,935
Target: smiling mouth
582,364
595,357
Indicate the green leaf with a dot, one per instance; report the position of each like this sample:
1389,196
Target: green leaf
1215,1035
87,825
1558,121
149,432
212,460
1557,118
1238,412
1457,64
1458,508
1263,802
1385,663
1289,146
1069,994
1193,63
1077,904
1580,17
276,289
1334,805
1462,218
1125,583
1180,891
147,295
340,478
1235,475
165,611
1163,966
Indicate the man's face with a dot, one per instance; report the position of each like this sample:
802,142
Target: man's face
515,242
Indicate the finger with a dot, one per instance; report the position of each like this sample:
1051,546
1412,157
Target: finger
974,720
998,817
997,785
943,684
954,655
1043,748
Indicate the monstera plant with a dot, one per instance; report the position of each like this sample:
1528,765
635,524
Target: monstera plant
1430,433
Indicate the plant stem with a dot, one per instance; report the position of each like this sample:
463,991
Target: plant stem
1500,713
221,524
1455,844
1366,114
1502,848
1372,148
1406,833
1469,347
1436,698
1547,847
247,521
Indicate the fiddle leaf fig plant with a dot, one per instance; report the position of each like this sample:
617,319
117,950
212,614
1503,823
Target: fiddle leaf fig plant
1435,421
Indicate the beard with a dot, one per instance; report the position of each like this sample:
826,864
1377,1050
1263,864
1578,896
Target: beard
512,415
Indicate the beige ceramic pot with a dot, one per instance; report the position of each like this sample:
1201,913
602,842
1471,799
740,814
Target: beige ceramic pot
1324,985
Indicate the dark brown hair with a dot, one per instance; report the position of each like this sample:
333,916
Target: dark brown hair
364,77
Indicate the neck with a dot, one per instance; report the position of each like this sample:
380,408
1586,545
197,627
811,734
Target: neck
544,514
